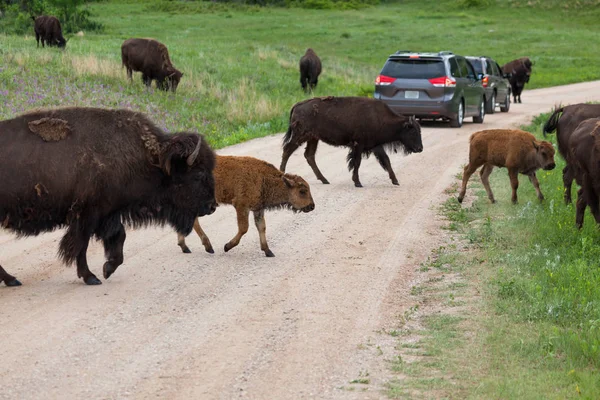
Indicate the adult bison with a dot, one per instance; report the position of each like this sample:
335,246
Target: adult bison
47,29
151,58
310,69
520,72
584,154
564,120
91,170
364,125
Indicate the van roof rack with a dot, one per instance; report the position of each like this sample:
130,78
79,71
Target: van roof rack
445,53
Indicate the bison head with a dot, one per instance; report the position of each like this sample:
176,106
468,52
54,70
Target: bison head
188,161
173,79
544,154
299,197
408,136
61,43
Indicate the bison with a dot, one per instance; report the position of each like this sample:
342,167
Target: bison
151,58
520,71
517,150
310,69
47,29
584,155
364,125
250,184
93,170
564,120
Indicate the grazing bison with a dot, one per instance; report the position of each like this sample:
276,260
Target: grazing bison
520,71
564,120
584,154
250,184
151,58
364,125
91,170
47,29
517,150
310,69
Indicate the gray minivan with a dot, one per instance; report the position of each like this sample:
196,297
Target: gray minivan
432,86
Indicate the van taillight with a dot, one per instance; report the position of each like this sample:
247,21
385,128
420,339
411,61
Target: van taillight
443,81
383,80
485,81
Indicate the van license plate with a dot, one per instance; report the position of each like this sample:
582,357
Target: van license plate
410,94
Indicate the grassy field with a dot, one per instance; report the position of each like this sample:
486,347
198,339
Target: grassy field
520,293
240,63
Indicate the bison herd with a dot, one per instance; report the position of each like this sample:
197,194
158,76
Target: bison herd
66,168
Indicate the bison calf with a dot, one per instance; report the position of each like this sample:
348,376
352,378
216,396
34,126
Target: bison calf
250,184
364,125
310,69
517,150
151,58
47,29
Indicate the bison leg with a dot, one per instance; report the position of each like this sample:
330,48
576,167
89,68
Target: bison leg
568,177
261,225
536,185
591,197
513,174
288,150
147,80
354,159
485,179
113,247
580,208
73,246
205,241
7,278
309,154
467,172
242,220
384,161
129,73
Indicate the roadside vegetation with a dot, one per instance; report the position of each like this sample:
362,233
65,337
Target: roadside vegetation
241,61
517,299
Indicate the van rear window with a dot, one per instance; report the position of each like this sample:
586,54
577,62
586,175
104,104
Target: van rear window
476,66
414,69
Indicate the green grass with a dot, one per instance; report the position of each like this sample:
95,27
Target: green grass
534,330
240,63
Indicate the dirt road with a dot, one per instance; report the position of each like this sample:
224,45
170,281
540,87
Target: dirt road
240,325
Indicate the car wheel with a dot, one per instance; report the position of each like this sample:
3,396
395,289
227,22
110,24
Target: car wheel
479,119
506,106
490,106
460,116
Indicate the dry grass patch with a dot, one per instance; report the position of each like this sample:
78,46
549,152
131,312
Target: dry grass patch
92,65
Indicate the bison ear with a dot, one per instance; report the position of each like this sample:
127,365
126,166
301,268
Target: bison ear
288,182
536,145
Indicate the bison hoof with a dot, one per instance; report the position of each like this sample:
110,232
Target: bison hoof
186,250
357,184
227,247
92,280
212,251
14,282
325,181
493,201
460,199
269,253
108,270
395,183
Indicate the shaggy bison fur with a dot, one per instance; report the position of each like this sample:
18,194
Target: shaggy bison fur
151,58
91,171
564,120
364,125
47,29
516,150
310,69
250,184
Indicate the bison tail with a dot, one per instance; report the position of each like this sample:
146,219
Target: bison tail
288,135
552,123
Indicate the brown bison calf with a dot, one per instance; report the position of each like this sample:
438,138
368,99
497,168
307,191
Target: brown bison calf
517,150
310,69
250,184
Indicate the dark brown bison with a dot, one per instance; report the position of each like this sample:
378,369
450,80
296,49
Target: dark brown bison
151,58
584,154
310,69
518,151
47,29
91,171
520,71
364,125
250,184
564,120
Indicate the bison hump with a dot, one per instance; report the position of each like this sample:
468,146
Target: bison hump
50,129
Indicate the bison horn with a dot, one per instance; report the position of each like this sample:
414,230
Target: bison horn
192,157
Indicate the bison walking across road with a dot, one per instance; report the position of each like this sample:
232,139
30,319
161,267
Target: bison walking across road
250,184
520,70
516,150
151,58
364,125
91,170
564,120
310,69
47,29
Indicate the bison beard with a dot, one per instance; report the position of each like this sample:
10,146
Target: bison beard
116,168
364,125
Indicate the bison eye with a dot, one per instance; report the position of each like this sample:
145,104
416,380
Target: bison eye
303,192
